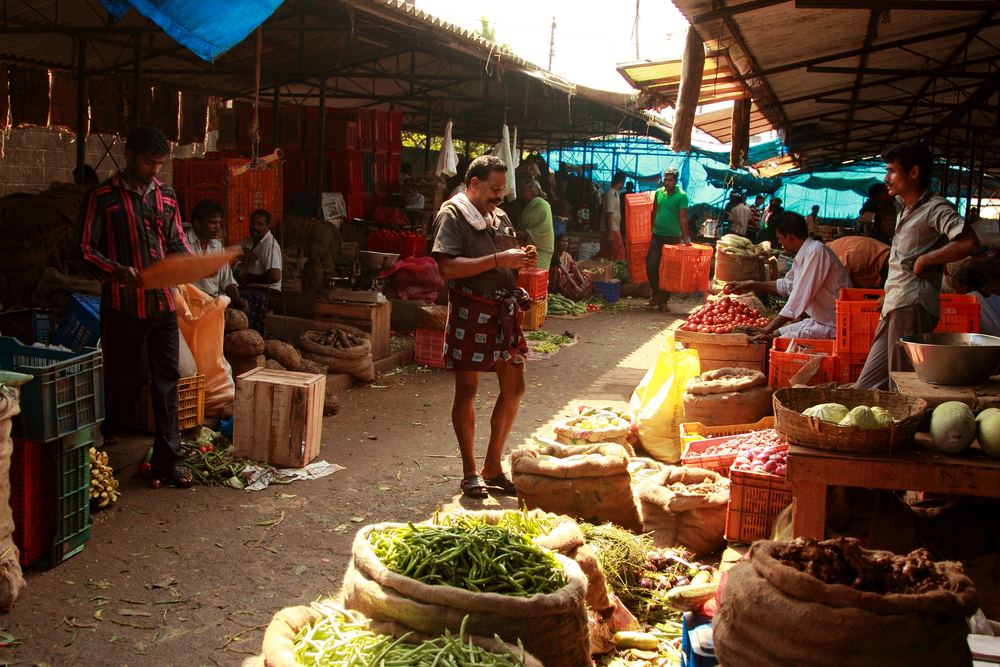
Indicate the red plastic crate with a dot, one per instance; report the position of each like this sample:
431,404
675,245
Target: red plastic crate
638,216
755,501
429,348
191,172
406,245
959,314
360,206
32,498
635,256
396,132
849,367
694,457
685,268
395,162
382,140
784,365
381,173
345,172
298,173
535,282
858,312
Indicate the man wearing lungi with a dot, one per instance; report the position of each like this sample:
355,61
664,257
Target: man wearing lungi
476,250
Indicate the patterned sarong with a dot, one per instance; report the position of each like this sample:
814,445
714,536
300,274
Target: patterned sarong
482,329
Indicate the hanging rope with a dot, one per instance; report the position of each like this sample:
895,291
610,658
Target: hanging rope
255,127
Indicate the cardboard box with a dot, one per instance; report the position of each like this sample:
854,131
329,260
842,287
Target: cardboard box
607,267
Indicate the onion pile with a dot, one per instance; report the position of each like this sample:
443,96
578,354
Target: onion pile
771,460
720,317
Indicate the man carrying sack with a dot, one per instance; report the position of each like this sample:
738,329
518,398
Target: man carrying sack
477,253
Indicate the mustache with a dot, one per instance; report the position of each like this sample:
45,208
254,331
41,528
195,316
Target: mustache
497,200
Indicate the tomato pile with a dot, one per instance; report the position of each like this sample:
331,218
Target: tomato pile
722,316
594,307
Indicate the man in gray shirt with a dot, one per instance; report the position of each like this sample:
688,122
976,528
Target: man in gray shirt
929,234
476,250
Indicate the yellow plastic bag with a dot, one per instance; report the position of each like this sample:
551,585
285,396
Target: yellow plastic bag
202,322
657,401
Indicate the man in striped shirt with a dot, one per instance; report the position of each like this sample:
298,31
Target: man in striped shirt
128,223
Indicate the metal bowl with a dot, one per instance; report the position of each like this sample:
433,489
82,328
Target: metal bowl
953,358
378,261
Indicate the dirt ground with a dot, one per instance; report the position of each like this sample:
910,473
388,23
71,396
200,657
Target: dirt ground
192,577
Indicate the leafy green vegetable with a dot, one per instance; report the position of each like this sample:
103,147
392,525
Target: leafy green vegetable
828,412
862,417
539,335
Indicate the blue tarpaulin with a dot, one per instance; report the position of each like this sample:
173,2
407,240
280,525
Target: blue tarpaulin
208,28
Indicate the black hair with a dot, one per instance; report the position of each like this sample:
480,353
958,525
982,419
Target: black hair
671,172
147,139
791,224
483,166
910,155
973,278
205,209
619,177
815,207
89,175
262,213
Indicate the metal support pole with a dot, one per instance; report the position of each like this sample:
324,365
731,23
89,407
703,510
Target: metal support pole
276,102
137,81
427,141
321,148
81,107
947,165
468,140
972,169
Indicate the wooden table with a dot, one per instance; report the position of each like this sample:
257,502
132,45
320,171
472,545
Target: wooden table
918,468
978,397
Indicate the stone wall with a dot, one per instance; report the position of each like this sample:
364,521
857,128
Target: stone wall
32,158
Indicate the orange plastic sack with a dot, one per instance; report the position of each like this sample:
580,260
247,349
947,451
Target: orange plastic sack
202,322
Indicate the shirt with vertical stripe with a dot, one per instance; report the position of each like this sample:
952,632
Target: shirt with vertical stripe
119,226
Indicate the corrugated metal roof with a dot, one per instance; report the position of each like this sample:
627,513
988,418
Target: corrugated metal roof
843,82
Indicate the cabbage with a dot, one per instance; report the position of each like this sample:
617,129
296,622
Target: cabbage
862,417
828,412
882,416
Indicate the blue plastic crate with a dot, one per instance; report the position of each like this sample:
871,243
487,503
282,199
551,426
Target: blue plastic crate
609,291
691,655
81,323
559,225
30,325
66,394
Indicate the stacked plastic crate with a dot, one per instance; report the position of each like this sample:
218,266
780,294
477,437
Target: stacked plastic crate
638,232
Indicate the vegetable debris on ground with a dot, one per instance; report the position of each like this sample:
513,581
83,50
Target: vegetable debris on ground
212,460
481,558
337,640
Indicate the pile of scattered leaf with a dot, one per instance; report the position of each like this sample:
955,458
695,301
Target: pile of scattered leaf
212,460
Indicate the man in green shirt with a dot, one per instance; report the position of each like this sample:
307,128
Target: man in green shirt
670,226
536,220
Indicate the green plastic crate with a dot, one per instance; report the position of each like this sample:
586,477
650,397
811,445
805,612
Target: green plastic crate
72,459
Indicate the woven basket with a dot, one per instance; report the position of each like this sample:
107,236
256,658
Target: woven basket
797,429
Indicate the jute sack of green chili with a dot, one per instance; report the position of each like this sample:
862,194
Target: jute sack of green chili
552,626
283,638
589,482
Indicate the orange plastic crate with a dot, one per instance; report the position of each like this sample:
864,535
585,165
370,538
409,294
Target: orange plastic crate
685,268
959,314
636,259
858,313
784,365
429,348
535,317
638,215
535,282
190,406
849,367
755,501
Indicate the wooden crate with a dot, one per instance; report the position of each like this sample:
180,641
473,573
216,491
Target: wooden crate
372,318
725,350
279,416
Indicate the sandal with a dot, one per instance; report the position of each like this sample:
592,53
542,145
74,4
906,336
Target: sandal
177,474
504,483
473,487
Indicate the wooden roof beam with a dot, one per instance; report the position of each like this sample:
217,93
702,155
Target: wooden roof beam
903,5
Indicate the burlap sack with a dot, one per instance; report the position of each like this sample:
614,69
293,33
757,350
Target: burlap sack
694,520
356,361
552,627
11,581
772,615
568,432
731,267
597,489
723,380
279,638
740,407
432,318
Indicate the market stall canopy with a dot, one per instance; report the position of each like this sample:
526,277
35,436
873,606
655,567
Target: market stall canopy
719,123
841,79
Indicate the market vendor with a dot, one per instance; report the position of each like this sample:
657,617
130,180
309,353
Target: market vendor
203,239
536,220
812,285
476,249
259,273
565,277
929,234
974,281
128,223
612,248
866,259
670,226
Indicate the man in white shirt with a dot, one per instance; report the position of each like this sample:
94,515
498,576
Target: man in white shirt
812,285
203,239
260,271
612,247
739,217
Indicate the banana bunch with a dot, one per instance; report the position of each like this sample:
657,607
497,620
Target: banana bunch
103,485
560,305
